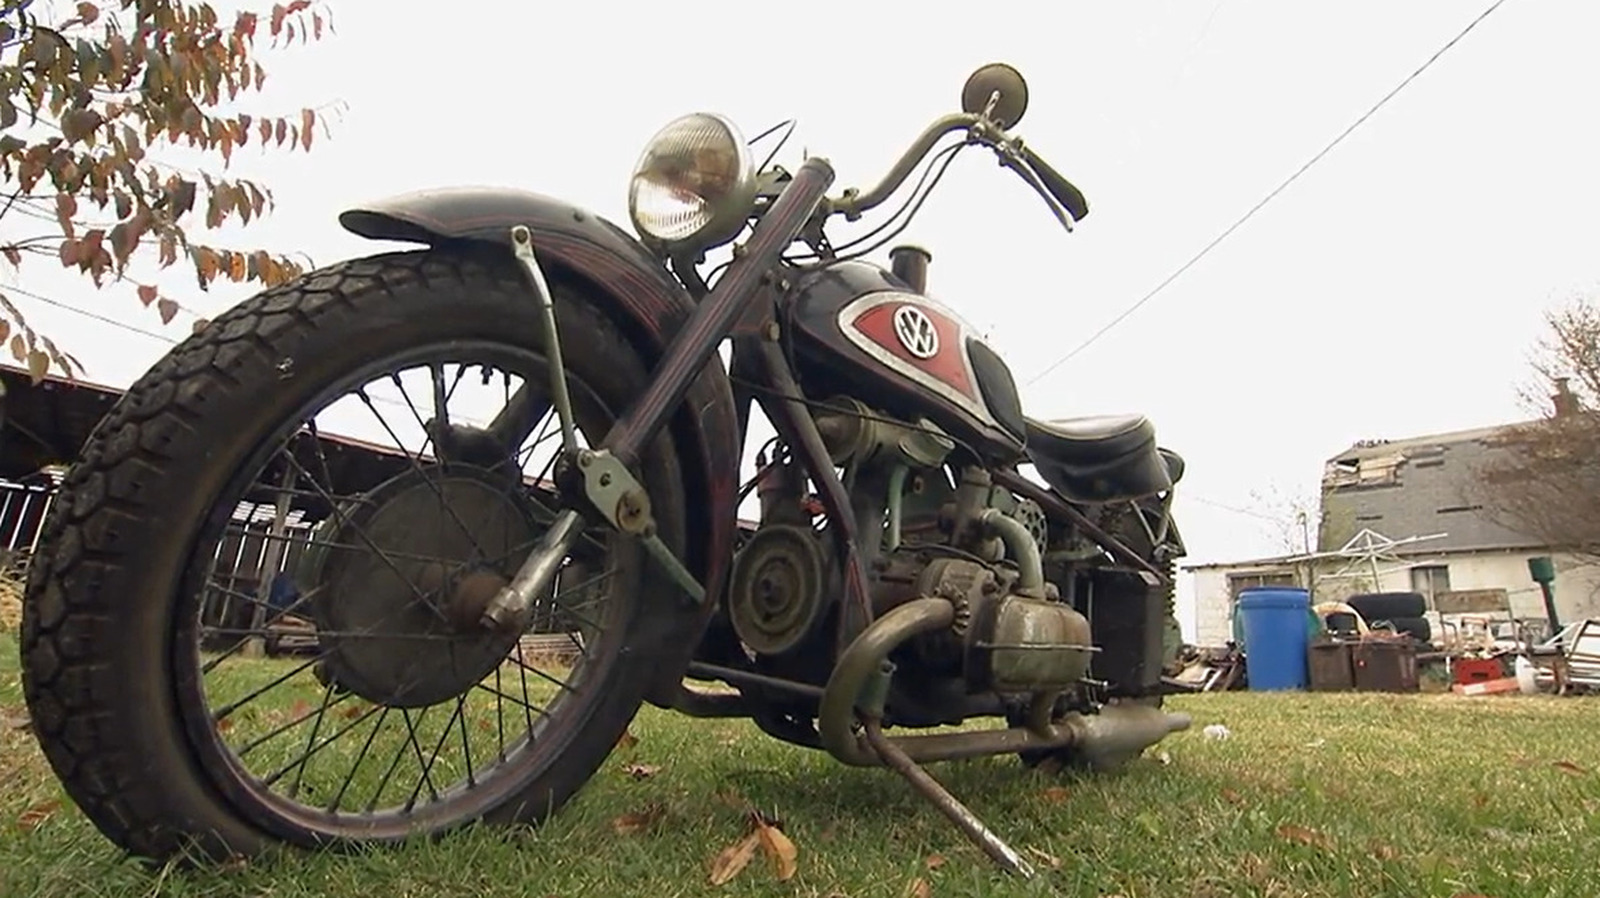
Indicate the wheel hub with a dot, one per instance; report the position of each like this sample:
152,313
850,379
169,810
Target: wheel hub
412,567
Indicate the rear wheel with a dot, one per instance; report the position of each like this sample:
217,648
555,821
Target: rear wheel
215,511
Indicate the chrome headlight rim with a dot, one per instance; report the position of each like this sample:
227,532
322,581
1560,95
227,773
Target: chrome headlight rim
728,213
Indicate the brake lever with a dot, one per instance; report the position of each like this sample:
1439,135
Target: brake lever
1012,156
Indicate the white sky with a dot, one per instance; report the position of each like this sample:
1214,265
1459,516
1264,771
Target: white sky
1392,291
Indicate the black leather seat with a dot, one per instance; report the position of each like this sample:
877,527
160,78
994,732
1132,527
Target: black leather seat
1102,458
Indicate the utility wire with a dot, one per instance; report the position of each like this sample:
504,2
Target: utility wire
88,314
1267,199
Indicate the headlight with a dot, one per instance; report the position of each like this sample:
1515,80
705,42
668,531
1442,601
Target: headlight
694,185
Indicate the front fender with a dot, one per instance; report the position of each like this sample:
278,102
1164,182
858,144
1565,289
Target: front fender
647,303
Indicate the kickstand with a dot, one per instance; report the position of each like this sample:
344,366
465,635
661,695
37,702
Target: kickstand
948,804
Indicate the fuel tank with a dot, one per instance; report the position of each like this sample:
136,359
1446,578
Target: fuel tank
859,331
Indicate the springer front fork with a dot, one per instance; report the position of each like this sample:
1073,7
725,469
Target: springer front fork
603,476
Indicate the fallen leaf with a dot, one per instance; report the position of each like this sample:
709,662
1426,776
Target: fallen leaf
627,741
779,849
1569,768
1232,797
934,861
1056,794
641,771
1382,850
354,711
1480,800
29,820
638,821
918,888
1304,836
299,709
17,722
1049,860
225,724
732,860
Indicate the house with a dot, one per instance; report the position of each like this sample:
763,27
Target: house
1397,517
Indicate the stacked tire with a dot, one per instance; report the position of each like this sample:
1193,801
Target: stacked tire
1404,611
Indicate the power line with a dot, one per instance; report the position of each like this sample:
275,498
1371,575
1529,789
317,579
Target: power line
88,314
1204,251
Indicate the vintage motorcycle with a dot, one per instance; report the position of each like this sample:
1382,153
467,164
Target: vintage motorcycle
482,626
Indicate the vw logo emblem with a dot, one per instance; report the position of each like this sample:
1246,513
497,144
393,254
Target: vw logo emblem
916,332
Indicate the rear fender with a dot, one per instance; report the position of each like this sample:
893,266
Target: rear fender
646,302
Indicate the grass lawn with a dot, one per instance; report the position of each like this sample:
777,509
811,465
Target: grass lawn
1311,795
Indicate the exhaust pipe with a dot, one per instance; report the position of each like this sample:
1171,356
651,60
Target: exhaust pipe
1119,733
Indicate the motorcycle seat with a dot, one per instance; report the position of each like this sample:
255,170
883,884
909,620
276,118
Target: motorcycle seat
1101,458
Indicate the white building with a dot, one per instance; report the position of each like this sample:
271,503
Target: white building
1439,544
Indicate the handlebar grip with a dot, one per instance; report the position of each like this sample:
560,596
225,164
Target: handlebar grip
1070,197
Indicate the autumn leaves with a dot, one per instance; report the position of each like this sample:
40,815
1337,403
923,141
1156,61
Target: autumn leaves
88,104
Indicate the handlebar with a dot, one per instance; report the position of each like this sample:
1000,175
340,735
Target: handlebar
1013,154
852,203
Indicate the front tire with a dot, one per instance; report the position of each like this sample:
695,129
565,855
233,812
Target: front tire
112,610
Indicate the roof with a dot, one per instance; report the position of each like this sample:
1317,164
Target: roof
1414,487
47,424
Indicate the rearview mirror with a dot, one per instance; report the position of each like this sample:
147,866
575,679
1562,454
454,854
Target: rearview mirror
996,78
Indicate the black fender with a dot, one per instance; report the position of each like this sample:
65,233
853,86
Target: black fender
643,299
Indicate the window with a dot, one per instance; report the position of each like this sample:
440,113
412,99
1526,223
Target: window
1237,582
1430,580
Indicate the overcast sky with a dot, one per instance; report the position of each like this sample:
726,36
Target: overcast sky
1392,291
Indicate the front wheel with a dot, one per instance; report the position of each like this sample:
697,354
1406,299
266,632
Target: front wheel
252,617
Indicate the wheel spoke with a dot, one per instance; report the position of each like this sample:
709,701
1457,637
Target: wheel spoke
366,746
416,467
311,741
339,753
444,734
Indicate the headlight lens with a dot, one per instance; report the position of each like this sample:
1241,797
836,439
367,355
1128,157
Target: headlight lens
694,184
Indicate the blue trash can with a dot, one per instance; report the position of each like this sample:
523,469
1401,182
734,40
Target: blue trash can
1276,638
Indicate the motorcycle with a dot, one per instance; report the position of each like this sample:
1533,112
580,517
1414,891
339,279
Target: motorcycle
477,628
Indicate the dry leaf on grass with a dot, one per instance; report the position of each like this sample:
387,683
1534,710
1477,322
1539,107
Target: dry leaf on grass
934,861
1056,794
732,860
1383,851
638,821
1232,797
641,771
779,849
1049,860
1304,836
30,820
16,721
626,741
1569,768
299,709
918,888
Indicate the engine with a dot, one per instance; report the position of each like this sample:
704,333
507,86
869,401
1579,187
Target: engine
947,532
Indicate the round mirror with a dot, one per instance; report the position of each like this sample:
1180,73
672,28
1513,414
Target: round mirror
985,83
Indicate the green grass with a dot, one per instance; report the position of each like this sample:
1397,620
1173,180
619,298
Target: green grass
1312,795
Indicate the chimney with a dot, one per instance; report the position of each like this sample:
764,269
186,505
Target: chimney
1564,402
